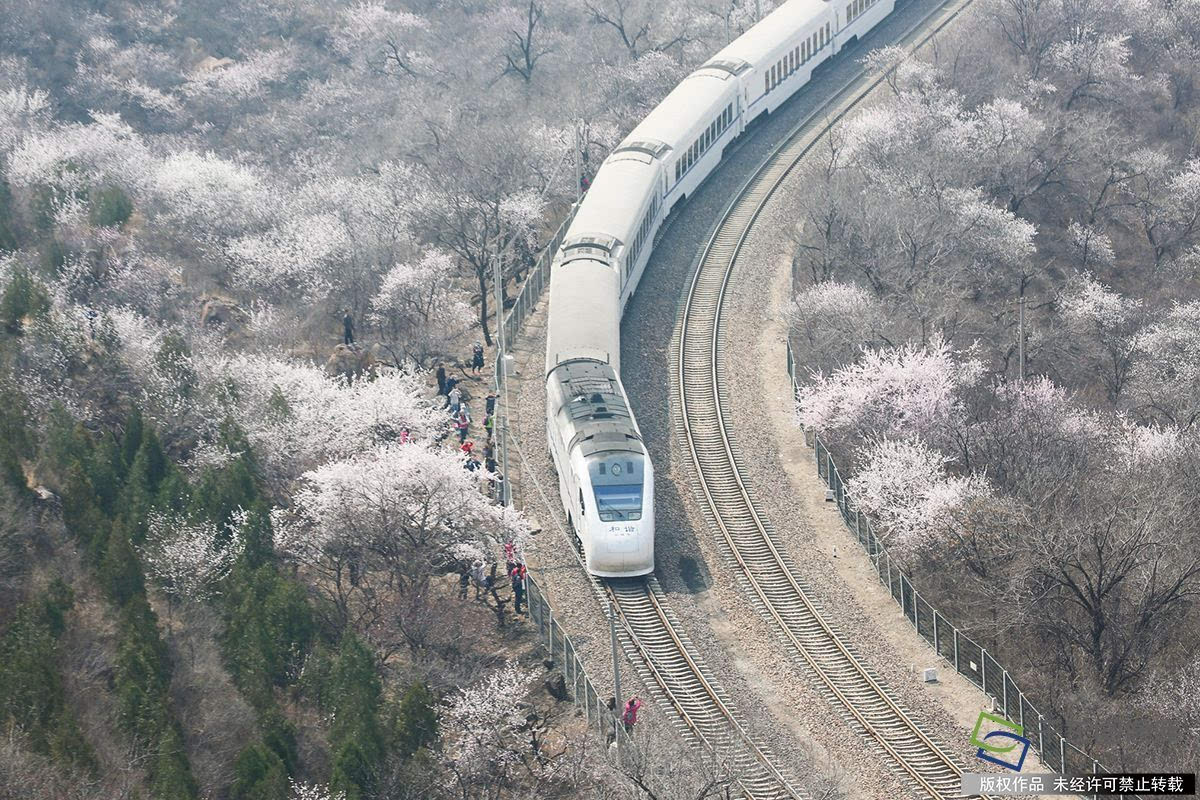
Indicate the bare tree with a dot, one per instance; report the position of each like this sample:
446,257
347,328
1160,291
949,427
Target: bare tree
636,24
524,53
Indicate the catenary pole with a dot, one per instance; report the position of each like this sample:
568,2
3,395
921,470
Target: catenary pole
501,422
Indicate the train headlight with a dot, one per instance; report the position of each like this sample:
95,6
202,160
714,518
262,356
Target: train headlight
616,468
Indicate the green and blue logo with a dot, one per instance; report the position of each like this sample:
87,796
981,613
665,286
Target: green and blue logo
989,747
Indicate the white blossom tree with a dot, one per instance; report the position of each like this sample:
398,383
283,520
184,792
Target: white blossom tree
1165,381
417,309
904,485
833,321
376,526
485,730
188,558
1103,326
313,791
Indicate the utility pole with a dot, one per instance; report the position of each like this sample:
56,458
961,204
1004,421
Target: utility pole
501,421
616,664
612,635
578,151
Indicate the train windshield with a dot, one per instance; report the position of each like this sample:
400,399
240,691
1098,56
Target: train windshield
619,503
617,479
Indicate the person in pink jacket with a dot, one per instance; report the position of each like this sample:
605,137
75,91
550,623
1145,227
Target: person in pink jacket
629,715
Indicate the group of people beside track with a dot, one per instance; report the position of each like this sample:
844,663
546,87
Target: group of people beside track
456,404
477,574
483,578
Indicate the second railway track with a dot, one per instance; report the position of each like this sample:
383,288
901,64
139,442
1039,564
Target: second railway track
775,591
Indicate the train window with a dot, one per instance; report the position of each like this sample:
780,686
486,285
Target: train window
849,12
582,508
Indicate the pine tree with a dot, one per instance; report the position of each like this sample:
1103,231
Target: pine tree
120,570
258,537
259,774
357,735
415,720
31,686
132,440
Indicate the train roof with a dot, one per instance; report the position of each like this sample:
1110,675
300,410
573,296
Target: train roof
585,312
624,176
588,396
774,30
697,91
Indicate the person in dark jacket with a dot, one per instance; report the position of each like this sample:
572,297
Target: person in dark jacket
441,379
518,587
348,329
477,357
490,403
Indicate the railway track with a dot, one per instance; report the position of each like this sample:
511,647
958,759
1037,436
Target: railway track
667,660
775,590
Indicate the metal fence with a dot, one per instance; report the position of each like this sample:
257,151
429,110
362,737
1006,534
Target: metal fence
970,659
562,652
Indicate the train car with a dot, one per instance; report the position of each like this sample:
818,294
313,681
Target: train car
606,480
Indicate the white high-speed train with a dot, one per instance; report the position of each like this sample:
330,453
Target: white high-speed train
606,481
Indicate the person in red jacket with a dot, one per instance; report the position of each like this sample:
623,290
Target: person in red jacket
629,715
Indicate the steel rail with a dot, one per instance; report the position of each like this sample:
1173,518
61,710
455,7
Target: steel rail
779,595
667,657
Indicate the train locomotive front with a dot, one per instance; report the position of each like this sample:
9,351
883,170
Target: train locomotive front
606,480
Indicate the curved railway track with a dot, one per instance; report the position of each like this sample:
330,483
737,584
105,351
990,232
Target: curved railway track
668,660
774,589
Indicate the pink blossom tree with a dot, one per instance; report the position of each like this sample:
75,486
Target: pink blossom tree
890,392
